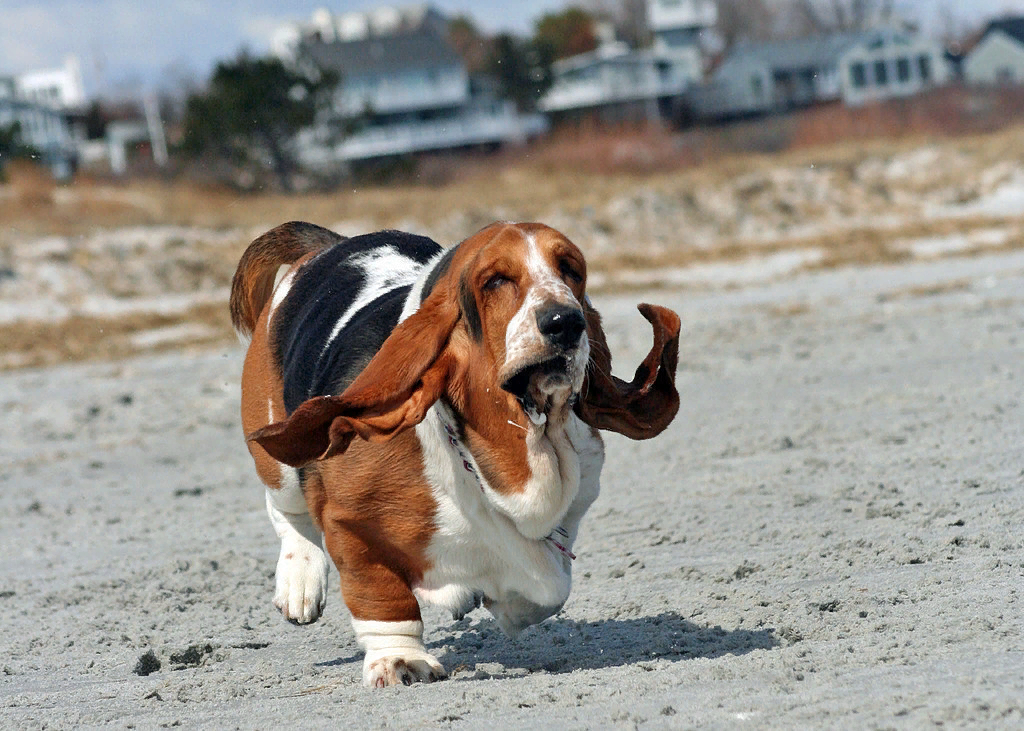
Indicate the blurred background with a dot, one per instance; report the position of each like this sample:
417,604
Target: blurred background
681,143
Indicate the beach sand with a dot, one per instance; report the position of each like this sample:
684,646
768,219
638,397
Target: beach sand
830,535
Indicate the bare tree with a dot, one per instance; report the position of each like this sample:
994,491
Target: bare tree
740,20
628,17
469,42
826,16
956,33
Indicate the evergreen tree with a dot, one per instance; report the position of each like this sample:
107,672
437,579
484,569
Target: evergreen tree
252,110
522,68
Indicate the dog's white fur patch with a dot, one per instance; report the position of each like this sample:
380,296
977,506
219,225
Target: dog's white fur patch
412,302
395,653
383,270
491,544
283,281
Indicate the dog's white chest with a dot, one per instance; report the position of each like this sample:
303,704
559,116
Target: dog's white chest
513,551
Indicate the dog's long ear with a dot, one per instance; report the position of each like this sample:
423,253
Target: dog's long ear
395,390
642,408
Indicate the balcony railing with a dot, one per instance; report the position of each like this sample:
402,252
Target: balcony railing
477,127
670,14
611,89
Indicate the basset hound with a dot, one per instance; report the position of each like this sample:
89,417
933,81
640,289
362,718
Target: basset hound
476,379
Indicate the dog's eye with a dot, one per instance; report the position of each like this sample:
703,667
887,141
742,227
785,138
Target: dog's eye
496,281
569,271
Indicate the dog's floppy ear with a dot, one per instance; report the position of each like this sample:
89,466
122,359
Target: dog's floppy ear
395,390
642,408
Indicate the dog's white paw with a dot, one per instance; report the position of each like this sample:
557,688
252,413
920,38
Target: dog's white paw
395,653
406,668
301,591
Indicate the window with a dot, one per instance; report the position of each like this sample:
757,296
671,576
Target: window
881,73
757,86
924,66
903,70
859,75
1004,75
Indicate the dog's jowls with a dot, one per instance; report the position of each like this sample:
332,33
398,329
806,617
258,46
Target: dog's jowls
431,417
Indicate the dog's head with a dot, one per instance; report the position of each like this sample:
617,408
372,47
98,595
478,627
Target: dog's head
505,324
521,295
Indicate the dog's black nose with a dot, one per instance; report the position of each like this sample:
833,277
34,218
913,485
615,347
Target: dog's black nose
561,325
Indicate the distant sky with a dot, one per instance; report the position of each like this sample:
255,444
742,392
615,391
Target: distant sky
128,45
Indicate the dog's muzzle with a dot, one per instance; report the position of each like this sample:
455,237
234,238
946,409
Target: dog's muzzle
557,366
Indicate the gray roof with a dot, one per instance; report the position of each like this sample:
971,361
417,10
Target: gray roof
1011,26
383,54
799,53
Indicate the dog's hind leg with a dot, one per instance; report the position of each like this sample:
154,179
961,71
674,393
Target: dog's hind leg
302,565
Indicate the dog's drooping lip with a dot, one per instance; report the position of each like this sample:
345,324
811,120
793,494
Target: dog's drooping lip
523,383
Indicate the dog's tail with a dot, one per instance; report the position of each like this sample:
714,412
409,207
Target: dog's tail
258,268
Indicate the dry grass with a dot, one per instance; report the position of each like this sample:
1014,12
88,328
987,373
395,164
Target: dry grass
856,246
947,112
80,338
930,290
785,312
565,172
574,179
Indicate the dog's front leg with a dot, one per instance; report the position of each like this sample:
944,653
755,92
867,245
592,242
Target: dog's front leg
385,613
301,590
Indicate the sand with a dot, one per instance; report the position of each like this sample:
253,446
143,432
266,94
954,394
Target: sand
831,534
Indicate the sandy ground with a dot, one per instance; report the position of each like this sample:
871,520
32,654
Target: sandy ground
829,535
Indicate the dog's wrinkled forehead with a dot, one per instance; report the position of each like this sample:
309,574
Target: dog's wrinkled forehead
546,282
526,254
538,249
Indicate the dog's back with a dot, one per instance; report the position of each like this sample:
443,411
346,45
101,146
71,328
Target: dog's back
340,308
336,310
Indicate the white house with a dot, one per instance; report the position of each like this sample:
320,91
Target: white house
59,88
855,67
403,87
615,81
677,24
41,127
999,56
886,63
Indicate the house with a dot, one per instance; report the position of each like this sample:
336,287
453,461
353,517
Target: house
46,105
855,67
59,88
40,126
403,88
128,132
998,58
677,24
616,82
888,63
